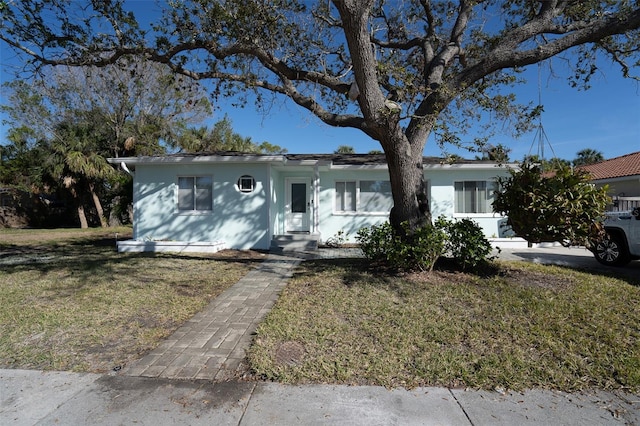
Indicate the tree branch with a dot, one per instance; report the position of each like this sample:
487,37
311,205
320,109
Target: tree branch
506,55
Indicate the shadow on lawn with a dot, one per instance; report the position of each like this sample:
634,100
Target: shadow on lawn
87,258
361,270
629,273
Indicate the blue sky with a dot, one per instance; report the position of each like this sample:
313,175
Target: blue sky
605,118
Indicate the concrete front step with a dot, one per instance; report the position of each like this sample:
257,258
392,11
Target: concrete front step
295,242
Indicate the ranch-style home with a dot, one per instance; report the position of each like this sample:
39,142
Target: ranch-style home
206,202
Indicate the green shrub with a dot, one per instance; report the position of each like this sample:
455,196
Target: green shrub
562,206
376,241
464,242
416,251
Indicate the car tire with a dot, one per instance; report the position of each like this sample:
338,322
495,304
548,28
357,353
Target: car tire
612,251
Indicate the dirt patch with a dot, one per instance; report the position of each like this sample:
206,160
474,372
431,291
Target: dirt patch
438,277
240,254
537,279
514,276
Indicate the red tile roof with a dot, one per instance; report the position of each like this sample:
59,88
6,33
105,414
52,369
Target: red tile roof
626,165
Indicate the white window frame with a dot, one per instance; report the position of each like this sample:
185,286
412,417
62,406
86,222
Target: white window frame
490,189
357,210
194,210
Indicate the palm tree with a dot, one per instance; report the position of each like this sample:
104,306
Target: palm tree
587,156
222,138
344,149
75,161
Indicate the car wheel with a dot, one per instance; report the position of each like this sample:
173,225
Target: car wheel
611,251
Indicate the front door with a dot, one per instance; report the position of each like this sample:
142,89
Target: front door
297,206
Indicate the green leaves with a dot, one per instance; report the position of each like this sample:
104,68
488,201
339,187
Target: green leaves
561,206
463,240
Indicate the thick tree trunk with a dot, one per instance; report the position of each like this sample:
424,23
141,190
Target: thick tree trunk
406,173
382,122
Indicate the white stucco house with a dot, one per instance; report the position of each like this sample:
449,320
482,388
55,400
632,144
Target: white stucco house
205,202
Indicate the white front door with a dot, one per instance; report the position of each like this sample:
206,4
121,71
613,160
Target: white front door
298,205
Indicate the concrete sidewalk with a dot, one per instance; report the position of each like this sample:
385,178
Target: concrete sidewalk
186,380
61,398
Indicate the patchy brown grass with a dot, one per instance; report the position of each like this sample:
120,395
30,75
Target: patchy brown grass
71,302
523,326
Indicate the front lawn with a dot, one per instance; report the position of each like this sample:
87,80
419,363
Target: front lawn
525,326
69,301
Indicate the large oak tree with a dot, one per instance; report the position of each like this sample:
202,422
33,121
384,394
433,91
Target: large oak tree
396,70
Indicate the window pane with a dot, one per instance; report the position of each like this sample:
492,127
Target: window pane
345,197
246,183
185,193
375,196
481,197
204,186
340,188
473,197
350,196
298,197
459,197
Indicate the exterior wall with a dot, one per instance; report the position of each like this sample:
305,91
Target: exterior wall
441,184
249,220
630,187
624,192
239,219
332,222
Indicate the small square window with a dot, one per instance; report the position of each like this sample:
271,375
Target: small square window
246,183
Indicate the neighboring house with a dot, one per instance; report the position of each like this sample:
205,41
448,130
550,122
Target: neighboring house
622,174
203,202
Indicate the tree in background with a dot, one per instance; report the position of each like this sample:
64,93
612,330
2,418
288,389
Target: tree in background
397,71
344,149
75,161
546,165
498,153
65,126
139,106
587,156
223,138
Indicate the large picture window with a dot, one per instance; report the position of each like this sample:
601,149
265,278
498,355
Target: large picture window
195,193
473,196
375,196
370,196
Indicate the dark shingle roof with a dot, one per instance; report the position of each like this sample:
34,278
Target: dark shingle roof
372,159
626,165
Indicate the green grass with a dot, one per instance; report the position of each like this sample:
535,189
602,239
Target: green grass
528,326
69,301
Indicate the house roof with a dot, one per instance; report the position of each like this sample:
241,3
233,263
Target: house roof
626,165
334,159
373,159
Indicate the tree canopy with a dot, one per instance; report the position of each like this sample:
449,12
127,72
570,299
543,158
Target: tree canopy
397,71
222,137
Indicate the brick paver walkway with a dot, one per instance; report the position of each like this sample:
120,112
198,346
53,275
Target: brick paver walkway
212,344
